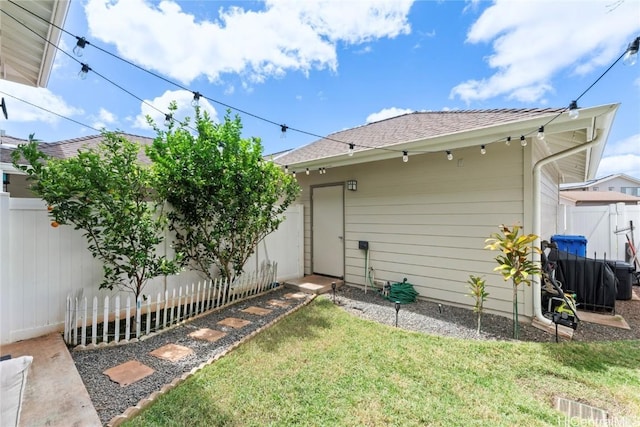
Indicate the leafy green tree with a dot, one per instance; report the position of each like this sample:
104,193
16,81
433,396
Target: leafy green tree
106,193
224,198
478,292
515,262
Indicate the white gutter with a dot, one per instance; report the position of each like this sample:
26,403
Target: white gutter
537,212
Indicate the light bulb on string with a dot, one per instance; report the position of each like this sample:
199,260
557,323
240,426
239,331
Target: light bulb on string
405,156
196,99
283,131
84,70
168,118
631,55
508,141
449,155
573,110
523,141
351,147
540,135
483,150
307,171
293,173
78,49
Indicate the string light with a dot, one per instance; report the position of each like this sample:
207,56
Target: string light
307,171
540,135
283,131
523,141
449,155
405,156
79,47
293,173
351,147
168,118
84,70
508,141
573,110
196,99
286,168
483,150
631,55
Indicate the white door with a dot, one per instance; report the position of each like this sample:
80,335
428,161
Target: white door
328,230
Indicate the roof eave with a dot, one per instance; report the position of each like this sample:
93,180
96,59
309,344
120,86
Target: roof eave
58,16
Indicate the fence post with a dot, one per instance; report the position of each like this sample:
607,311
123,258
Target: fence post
127,328
83,339
138,315
105,321
117,318
148,314
94,324
158,312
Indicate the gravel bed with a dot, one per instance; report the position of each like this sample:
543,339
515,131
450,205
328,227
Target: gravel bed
111,400
444,320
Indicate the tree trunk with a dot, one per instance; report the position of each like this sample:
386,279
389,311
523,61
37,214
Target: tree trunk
516,325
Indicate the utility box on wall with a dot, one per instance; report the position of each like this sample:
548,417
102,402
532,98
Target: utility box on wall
362,244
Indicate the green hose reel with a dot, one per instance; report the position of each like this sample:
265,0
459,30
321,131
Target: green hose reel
401,292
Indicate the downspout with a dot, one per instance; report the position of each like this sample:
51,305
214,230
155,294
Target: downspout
537,213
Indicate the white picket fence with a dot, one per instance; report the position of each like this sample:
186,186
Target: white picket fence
101,322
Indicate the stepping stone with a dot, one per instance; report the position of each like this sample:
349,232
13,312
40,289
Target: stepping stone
128,372
207,334
297,295
278,303
234,322
172,352
257,310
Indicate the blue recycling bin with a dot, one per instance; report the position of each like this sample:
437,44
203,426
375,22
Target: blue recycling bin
576,245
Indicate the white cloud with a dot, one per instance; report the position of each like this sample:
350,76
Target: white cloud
387,113
106,119
621,157
285,36
41,97
183,100
534,41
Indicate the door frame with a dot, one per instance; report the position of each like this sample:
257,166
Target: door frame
312,188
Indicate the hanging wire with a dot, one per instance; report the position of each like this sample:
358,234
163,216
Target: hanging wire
256,116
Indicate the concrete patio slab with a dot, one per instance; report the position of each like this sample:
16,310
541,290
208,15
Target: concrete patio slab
207,334
297,295
234,322
258,311
128,372
171,352
616,321
314,284
55,394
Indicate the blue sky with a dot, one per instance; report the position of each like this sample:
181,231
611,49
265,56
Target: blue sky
324,66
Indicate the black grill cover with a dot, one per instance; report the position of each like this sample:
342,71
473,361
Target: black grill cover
593,281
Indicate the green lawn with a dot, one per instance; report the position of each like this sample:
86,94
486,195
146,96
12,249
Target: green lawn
324,367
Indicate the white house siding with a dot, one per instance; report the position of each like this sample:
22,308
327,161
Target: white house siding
427,220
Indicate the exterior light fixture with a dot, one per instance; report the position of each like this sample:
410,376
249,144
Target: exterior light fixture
483,150
196,99
508,141
397,310
449,155
523,141
631,55
405,156
80,44
352,185
573,110
84,71
351,147
540,135
333,288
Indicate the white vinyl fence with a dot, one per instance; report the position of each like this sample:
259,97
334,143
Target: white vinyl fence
599,224
41,265
105,321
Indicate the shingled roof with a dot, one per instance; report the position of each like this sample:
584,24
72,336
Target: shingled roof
69,147
409,127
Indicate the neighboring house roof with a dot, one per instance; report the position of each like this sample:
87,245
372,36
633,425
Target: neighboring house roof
598,182
27,43
598,197
69,147
423,132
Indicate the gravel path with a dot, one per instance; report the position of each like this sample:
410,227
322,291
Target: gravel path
111,400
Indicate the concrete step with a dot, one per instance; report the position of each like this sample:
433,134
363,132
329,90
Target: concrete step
314,284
